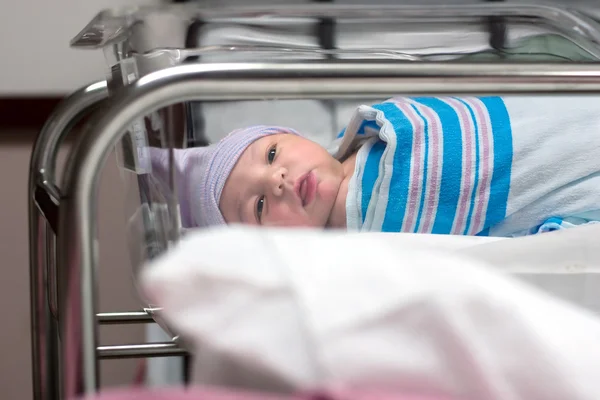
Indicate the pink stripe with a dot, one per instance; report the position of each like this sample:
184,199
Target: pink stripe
417,160
485,178
432,192
468,133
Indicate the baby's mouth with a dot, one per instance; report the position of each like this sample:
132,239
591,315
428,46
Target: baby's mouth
306,187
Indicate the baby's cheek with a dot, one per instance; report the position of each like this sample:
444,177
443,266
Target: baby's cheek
282,215
327,191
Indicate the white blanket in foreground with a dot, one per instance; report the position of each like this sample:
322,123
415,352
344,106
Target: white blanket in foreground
295,309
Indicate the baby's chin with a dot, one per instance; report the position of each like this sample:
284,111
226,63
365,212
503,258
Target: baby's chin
315,217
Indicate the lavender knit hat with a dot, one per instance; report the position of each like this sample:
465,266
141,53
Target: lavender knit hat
201,172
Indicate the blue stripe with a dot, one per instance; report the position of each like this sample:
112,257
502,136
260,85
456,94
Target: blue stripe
367,124
485,232
476,180
425,164
370,175
400,179
361,129
451,164
503,158
554,220
550,225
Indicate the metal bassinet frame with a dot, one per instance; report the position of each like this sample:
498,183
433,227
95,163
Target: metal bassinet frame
62,220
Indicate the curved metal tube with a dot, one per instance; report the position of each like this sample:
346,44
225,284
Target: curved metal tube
67,114
44,346
95,34
77,251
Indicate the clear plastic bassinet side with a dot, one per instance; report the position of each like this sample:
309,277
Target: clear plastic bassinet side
139,41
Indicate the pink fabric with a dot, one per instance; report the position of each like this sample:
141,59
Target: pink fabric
182,394
72,361
223,394
41,297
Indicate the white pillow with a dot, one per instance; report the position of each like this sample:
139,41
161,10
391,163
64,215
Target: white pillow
299,309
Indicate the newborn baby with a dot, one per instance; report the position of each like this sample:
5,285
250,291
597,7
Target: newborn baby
262,175
472,166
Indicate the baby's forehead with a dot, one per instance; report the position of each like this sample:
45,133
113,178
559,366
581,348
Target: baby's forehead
256,148
252,154
259,144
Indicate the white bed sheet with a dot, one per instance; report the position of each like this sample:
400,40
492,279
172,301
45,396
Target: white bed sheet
295,309
327,118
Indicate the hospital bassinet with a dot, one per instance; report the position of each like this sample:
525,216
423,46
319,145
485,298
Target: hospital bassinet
168,65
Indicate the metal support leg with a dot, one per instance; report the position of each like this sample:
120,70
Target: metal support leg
43,213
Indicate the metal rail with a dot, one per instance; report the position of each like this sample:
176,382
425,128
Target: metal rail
146,350
44,201
122,318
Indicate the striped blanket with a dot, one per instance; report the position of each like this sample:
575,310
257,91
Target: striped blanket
473,166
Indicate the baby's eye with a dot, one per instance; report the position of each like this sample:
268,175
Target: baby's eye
259,207
271,154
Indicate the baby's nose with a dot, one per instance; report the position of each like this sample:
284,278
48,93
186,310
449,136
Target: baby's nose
278,181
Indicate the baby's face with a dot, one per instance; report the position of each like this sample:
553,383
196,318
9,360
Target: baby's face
282,180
